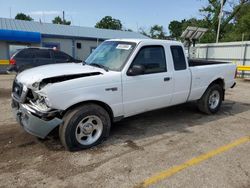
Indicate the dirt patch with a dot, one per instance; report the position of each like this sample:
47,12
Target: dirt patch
26,144
133,145
5,93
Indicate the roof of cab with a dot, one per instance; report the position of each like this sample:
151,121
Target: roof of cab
147,41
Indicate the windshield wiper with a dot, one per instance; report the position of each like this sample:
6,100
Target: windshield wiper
100,66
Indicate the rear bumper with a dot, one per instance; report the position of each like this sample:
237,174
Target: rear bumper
32,123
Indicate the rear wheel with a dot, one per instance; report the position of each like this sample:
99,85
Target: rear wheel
211,100
84,127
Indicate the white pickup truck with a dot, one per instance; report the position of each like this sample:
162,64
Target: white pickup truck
119,79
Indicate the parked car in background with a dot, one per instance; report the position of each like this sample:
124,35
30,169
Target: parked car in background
33,57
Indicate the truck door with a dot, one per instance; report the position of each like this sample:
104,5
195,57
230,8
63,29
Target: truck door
153,88
182,75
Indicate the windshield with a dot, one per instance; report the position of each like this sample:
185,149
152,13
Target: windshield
111,54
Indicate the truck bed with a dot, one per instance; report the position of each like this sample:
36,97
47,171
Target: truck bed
201,62
205,72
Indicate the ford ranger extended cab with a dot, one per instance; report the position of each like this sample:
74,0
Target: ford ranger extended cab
119,79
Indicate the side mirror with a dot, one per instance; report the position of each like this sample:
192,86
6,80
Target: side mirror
136,70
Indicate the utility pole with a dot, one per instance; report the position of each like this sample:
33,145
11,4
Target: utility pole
220,17
63,16
243,36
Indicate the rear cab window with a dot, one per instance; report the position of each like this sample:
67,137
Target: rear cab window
179,59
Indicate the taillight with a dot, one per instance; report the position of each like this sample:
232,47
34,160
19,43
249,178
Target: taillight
12,61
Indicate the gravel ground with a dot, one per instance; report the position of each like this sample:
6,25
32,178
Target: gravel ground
138,147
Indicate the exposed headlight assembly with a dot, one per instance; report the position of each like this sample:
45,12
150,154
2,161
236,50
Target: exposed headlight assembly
36,85
42,103
47,102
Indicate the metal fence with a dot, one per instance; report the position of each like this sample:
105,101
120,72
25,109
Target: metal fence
235,52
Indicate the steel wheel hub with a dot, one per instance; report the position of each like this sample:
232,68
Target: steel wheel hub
89,130
214,99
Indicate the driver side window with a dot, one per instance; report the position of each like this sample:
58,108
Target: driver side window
152,58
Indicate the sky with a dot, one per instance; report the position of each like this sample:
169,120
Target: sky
134,14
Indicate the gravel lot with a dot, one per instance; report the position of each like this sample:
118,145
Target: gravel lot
138,148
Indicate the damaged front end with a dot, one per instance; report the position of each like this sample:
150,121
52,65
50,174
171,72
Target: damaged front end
33,112
33,109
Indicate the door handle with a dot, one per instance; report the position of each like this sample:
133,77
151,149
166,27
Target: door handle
167,79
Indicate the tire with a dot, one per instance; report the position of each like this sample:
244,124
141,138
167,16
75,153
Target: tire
84,126
211,100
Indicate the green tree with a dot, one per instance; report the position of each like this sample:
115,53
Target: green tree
230,9
175,29
109,23
143,32
59,20
242,23
157,32
22,16
240,28
209,36
235,21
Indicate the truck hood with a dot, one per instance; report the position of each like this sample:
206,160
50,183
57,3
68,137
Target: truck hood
60,71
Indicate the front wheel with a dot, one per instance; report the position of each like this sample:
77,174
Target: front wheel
211,100
84,127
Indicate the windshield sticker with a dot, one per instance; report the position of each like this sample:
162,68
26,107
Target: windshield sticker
123,46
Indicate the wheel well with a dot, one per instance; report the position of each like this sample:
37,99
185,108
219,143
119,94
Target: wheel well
102,104
220,82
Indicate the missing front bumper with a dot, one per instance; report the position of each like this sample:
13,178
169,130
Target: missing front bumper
33,124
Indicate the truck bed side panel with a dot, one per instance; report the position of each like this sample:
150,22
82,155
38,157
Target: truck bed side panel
202,62
203,76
